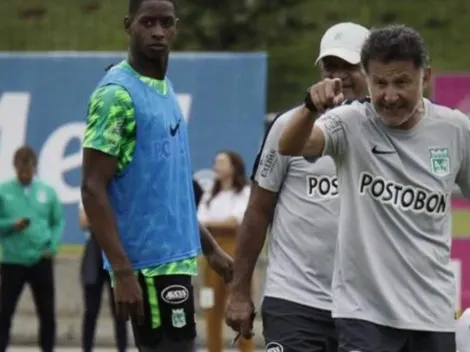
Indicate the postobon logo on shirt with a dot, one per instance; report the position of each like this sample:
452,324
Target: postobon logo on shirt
403,197
323,186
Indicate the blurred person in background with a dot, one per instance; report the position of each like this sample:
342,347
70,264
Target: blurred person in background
221,210
137,187
93,279
298,197
31,226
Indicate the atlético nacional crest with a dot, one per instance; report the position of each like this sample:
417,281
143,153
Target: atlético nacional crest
439,159
178,318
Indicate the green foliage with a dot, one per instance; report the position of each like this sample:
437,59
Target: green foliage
289,30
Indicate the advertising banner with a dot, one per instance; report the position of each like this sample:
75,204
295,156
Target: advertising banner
43,102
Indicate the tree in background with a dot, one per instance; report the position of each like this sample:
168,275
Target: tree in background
288,30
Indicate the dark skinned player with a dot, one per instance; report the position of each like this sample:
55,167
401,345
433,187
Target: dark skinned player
137,187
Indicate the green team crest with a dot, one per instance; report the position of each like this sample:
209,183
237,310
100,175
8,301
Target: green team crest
440,161
178,318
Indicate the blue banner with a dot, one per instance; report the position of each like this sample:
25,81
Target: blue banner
43,102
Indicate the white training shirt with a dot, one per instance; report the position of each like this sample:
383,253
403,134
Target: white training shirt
226,204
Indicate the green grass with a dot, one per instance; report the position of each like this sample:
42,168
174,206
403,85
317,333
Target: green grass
461,223
62,25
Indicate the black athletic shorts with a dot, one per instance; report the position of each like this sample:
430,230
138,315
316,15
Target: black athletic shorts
364,336
169,314
293,327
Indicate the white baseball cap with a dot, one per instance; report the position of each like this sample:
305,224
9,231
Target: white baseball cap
343,40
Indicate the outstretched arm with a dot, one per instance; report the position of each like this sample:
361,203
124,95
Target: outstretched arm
301,136
208,243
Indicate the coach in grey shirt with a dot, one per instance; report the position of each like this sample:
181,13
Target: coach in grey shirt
298,197
398,158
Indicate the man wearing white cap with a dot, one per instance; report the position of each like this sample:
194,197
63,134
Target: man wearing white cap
340,50
298,197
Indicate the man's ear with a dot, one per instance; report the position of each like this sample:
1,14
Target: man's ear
427,76
127,24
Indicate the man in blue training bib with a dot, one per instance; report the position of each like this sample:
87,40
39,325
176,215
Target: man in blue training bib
137,187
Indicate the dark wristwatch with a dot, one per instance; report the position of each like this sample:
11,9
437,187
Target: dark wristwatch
309,103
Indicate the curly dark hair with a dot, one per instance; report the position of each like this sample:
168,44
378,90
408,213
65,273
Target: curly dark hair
395,43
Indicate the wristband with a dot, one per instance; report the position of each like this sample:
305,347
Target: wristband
309,103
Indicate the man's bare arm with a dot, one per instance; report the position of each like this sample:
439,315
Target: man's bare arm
301,136
82,219
208,243
228,224
98,170
252,236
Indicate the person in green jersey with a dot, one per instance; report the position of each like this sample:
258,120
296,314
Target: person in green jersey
109,151
31,226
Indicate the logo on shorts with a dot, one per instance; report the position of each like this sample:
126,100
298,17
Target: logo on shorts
175,294
274,347
178,318
440,161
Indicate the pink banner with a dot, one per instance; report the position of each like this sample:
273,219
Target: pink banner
459,203
453,91
461,251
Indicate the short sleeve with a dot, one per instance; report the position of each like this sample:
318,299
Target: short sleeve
334,130
241,204
271,167
110,111
340,124
463,176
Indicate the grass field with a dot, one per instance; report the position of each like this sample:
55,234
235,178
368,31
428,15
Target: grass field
461,223
460,217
